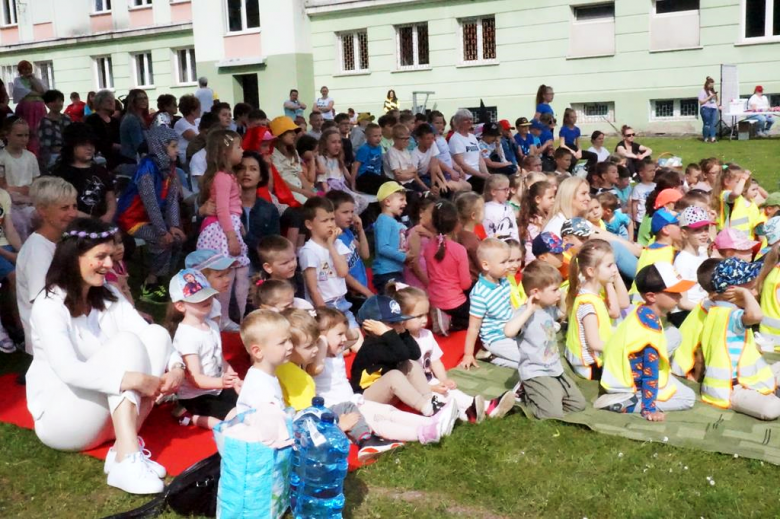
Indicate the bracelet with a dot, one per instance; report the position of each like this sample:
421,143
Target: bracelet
178,365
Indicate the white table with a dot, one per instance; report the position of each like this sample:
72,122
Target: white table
738,116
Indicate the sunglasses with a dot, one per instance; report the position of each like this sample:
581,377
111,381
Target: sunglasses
630,134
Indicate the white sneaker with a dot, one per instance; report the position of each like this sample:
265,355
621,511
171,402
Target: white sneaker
445,418
134,476
158,469
231,326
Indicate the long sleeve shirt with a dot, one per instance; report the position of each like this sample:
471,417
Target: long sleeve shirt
260,220
161,222
378,355
390,249
226,194
449,278
131,136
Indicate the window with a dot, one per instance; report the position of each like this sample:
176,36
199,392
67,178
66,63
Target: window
491,113
689,107
144,75
141,3
45,71
8,74
243,15
585,13
9,12
102,6
762,18
104,73
592,30
412,42
675,6
478,39
353,51
674,109
595,112
774,100
185,66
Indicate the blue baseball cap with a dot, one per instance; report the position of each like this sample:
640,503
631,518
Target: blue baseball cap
536,125
381,308
207,259
547,242
734,271
661,219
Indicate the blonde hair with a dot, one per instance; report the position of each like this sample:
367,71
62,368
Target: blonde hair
268,292
259,326
47,191
329,318
590,256
302,325
727,173
466,203
406,297
565,197
493,182
488,245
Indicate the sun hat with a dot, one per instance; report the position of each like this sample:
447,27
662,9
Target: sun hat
381,308
730,238
282,125
190,286
207,259
661,277
772,230
576,227
734,271
667,196
504,124
773,200
387,189
547,242
694,217
661,219
365,116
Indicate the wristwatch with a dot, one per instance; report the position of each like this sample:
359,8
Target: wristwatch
180,366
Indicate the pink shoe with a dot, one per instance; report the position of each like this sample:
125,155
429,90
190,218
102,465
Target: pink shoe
428,433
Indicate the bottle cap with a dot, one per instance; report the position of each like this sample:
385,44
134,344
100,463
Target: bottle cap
318,401
328,417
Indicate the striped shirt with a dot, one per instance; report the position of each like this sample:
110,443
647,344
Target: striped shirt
735,334
491,303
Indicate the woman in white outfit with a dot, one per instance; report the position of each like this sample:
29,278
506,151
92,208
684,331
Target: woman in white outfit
97,365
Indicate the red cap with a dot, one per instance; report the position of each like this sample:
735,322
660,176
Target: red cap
759,88
504,124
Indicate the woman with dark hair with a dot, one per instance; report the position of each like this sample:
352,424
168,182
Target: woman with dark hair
166,109
106,127
133,126
97,365
597,146
629,149
260,217
391,102
708,100
5,110
89,108
28,95
95,190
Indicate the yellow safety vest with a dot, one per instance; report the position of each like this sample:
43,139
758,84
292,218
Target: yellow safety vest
690,330
574,348
770,306
752,371
640,328
652,254
516,292
740,217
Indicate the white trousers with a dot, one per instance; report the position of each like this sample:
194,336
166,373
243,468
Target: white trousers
76,419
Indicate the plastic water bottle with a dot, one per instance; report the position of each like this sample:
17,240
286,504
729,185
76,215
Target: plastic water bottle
324,467
310,415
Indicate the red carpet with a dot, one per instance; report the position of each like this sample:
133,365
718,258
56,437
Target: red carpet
174,446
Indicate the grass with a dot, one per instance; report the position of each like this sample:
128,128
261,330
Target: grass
508,468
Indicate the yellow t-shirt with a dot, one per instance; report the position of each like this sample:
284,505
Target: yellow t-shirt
298,387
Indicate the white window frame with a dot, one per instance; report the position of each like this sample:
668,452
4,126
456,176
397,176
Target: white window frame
10,13
8,74
103,64
415,47
769,20
677,113
141,4
103,7
355,51
244,29
148,69
190,66
45,71
583,118
480,41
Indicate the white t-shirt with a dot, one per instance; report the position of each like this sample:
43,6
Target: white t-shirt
760,104
332,169
207,345
602,155
322,104
429,352
686,265
500,222
444,151
396,159
641,192
330,285
181,126
259,388
18,171
206,97
468,147
332,383
198,163
32,265
422,159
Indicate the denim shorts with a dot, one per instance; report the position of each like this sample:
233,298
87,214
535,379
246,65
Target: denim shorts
344,306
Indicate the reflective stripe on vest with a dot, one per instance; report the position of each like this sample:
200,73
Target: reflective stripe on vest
651,256
690,330
770,306
739,218
632,336
574,347
752,371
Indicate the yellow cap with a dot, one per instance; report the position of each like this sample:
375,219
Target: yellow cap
387,189
281,125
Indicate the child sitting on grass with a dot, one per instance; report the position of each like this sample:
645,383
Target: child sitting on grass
546,389
665,227
637,373
389,235
514,273
538,200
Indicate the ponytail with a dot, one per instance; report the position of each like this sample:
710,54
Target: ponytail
442,249
589,256
574,284
445,220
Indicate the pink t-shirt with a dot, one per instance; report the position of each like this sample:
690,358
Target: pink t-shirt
449,278
226,194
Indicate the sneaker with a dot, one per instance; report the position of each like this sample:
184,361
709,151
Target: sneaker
428,433
445,419
765,344
230,326
616,402
499,407
436,404
154,293
373,446
483,355
158,469
476,411
134,476
519,392
440,322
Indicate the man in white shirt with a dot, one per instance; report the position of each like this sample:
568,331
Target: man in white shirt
205,95
760,103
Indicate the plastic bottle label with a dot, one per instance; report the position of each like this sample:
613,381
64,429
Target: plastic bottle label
316,436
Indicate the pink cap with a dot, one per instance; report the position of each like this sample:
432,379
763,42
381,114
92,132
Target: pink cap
730,238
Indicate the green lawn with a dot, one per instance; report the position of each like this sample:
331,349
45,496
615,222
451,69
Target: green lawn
509,468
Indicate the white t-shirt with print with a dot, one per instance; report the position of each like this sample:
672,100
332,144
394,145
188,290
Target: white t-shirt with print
396,159
640,193
430,352
422,159
332,383
330,285
468,147
207,345
322,105
18,171
259,388
686,265
500,221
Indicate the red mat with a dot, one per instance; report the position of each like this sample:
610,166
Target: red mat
174,446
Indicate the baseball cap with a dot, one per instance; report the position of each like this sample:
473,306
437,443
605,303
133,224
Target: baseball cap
365,116
759,88
504,124
772,230
772,200
523,121
536,125
491,129
381,308
207,259
190,286
734,271
667,196
694,217
576,227
268,136
547,242
661,277
730,238
661,219
387,189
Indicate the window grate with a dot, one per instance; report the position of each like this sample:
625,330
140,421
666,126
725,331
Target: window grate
470,47
348,52
362,38
354,51
597,112
406,46
412,46
488,38
422,44
478,39
664,108
491,111
689,107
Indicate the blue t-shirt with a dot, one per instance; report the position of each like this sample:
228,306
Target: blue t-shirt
619,224
545,135
370,158
525,144
544,108
570,135
389,245
356,267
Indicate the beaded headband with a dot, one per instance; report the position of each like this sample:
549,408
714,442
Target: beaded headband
90,235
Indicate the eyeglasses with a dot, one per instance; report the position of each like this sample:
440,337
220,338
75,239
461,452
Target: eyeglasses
402,138
501,189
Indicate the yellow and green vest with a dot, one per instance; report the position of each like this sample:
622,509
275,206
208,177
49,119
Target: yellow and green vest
574,347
